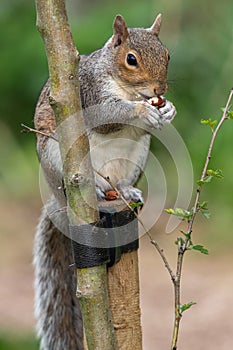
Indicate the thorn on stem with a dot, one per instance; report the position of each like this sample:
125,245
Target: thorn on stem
24,131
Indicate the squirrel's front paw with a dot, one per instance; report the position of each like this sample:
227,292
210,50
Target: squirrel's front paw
148,114
168,112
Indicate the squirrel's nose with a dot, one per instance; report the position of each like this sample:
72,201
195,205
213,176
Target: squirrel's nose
160,90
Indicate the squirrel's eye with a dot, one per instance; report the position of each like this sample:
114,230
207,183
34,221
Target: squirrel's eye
131,59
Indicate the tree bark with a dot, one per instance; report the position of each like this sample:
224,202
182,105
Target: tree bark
63,59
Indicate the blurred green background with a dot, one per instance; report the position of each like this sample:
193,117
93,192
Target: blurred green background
199,35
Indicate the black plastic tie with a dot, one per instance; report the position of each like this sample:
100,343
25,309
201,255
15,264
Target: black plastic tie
87,253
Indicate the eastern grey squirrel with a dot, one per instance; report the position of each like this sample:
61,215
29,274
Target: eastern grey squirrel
116,84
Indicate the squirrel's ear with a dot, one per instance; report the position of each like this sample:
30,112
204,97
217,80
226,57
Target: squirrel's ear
120,31
155,28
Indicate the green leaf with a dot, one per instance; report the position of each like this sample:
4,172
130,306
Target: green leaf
181,213
180,240
187,235
203,208
210,174
170,211
229,112
215,173
135,205
199,248
206,214
206,180
203,205
211,123
187,306
200,182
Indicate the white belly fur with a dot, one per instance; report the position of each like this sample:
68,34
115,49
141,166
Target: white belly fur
121,156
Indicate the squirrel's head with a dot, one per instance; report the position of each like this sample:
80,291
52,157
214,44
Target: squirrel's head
140,59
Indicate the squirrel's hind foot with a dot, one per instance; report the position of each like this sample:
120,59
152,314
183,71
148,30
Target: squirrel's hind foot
129,192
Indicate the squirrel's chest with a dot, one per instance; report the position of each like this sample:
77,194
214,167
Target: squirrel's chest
121,156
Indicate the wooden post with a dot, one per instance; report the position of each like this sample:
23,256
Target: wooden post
123,280
123,286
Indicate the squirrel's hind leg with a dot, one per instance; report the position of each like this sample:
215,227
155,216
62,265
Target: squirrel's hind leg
59,323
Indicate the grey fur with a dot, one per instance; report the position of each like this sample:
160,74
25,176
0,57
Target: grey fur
59,319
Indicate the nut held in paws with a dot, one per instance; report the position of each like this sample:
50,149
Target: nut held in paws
157,101
111,195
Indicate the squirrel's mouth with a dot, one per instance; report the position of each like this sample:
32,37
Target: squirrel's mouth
144,97
156,101
139,96
134,95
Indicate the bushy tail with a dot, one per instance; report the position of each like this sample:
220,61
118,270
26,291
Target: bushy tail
57,311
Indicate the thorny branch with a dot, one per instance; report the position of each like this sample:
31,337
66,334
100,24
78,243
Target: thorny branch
208,157
182,246
28,129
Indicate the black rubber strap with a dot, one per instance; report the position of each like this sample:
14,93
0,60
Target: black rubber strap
87,253
125,230
104,242
130,247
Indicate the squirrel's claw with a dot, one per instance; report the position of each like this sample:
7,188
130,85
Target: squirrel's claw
131,193
100,193
168,111
149,115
